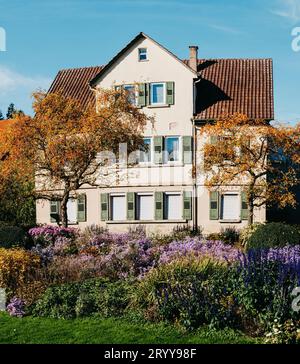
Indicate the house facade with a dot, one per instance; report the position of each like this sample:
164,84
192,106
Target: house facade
164,189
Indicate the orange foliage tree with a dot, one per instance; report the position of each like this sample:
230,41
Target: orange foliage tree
261,158
61,143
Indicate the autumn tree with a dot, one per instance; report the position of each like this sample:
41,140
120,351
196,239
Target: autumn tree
62,142
258,157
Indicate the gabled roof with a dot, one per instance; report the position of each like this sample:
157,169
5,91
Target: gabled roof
74,82
140,36
228,86
225,86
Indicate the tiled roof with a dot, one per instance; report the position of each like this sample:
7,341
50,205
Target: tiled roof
6,123
227,86
235,85
74,82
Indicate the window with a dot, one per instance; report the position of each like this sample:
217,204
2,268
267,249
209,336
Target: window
171,149
158,93
145,207
72,211
230,207
130,89
145,155
143,54
118,207
173,206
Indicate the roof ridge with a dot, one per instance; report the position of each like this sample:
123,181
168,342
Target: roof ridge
80,68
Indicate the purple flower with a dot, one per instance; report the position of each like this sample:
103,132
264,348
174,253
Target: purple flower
16,307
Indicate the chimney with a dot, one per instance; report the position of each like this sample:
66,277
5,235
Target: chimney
193,62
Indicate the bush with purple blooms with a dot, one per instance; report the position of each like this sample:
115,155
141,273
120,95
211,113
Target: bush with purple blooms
48,234
16,307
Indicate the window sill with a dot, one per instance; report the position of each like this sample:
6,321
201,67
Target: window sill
142,222
157,106
237,221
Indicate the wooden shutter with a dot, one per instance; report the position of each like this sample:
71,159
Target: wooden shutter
147,91
104,199
170,93
159,205
244,206
187,148
213,139
54,211
130,206
81,208
158,149
214,205
142,94
187,205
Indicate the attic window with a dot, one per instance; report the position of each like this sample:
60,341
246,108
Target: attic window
143,54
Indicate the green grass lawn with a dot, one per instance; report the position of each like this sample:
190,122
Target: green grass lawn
31,330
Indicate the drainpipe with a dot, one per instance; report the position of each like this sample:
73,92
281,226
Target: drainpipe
194,162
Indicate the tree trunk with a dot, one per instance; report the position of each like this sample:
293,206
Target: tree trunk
250,203
63,208
250,212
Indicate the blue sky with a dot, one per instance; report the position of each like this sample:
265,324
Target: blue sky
45,36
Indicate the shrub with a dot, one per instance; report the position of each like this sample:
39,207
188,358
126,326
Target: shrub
230,235
248,294
12,236
16,307
189,291
246,233
96,296
216,250
274,234
17,266
48,234
179,232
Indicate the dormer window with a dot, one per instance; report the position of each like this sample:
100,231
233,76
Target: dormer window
143,54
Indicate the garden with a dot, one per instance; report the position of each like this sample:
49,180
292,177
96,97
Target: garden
102,287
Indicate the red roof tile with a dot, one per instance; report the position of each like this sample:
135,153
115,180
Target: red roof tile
227,86
235,85
74,82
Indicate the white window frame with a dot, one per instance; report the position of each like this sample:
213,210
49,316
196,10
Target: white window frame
111,196
166,205
145,51
135,91
165,156
139,194
151,94
238,218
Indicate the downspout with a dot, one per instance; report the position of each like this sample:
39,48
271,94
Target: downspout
194,161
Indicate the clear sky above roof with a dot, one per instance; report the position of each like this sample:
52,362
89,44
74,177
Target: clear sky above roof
45,36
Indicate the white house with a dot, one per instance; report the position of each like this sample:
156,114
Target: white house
160,192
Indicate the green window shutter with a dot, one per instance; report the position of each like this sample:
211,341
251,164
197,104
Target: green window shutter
159,205
244,206
142,94
147,90
130,206
170,93
81,208
214,205
187,147
54,211
158,149
187,205
213,139
104,206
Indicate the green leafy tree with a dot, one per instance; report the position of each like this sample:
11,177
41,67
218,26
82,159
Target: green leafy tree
1,115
